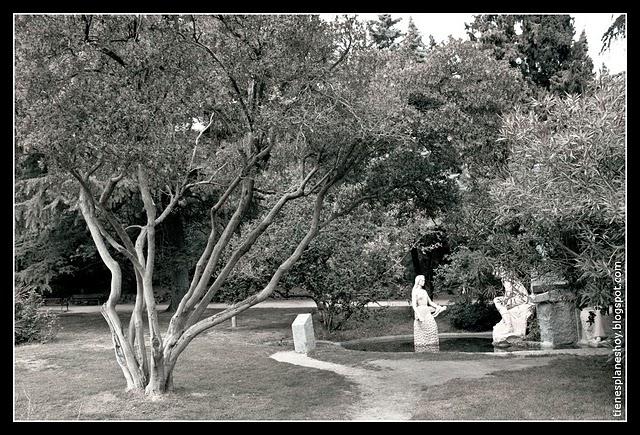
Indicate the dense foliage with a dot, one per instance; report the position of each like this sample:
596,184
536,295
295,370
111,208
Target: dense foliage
472,316
540,46
566,183
32,323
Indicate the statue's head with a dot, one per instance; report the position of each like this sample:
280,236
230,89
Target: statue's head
499,272
419,281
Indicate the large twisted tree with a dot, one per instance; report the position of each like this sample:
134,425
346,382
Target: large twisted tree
274,108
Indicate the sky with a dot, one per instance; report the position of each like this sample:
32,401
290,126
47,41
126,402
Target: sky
441,25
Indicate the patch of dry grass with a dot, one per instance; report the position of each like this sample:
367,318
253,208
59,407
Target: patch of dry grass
225,374
569,388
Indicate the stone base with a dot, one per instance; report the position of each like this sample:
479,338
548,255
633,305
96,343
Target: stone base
558,323
517,343
304,340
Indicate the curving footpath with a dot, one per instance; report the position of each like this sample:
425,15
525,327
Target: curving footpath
392,388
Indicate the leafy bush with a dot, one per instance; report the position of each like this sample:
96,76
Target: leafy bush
533,329
354,262
32,324
469,275
476,316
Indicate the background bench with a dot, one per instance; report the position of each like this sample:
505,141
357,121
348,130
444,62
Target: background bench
63,302
88,299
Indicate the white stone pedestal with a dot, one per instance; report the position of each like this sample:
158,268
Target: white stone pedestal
304,340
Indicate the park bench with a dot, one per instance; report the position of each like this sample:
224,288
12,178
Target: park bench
63,302
88,299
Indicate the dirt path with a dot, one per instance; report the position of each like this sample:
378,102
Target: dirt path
391,391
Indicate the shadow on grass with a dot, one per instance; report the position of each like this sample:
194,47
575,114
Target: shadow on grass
568,388
223,375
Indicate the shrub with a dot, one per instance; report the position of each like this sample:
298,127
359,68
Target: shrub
476,316
533,329
32,324
469,275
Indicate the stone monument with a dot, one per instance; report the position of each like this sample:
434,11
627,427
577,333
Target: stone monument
556,311
304,340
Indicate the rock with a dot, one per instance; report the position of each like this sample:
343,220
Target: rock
541,297
554,295
549,281
304,340
558,323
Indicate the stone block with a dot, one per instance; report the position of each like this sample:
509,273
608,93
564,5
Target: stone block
547,282
540,297
558,323
304,340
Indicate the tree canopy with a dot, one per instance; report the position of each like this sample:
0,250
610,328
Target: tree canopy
284,137
540,46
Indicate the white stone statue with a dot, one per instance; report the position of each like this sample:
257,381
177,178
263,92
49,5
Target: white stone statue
425,329
515,307
595,327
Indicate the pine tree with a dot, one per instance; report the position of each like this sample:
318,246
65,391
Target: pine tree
578,72
383,32
545,44
618,29
541,46
432,42
412,42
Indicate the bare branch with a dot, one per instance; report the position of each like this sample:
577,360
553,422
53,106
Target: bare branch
216,59
244,248
108,190
201,326
343,55
95,167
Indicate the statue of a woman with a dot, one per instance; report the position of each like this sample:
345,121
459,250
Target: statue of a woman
515,308
425,329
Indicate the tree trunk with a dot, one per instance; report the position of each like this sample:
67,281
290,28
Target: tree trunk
125,355
178,289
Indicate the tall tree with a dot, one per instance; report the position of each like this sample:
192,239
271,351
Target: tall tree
566,183
461,106
578,73
617,29
541,46
307,109
413,43
558,206
383,32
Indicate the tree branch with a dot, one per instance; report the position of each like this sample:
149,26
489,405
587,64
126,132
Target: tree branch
195,329
245,246
234,83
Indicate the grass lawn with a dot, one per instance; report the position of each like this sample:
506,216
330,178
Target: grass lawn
569,388
223,375
226,374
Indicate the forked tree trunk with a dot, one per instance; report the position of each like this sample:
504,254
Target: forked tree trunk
125,355
154,375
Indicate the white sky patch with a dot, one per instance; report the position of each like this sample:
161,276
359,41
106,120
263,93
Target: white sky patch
442,25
